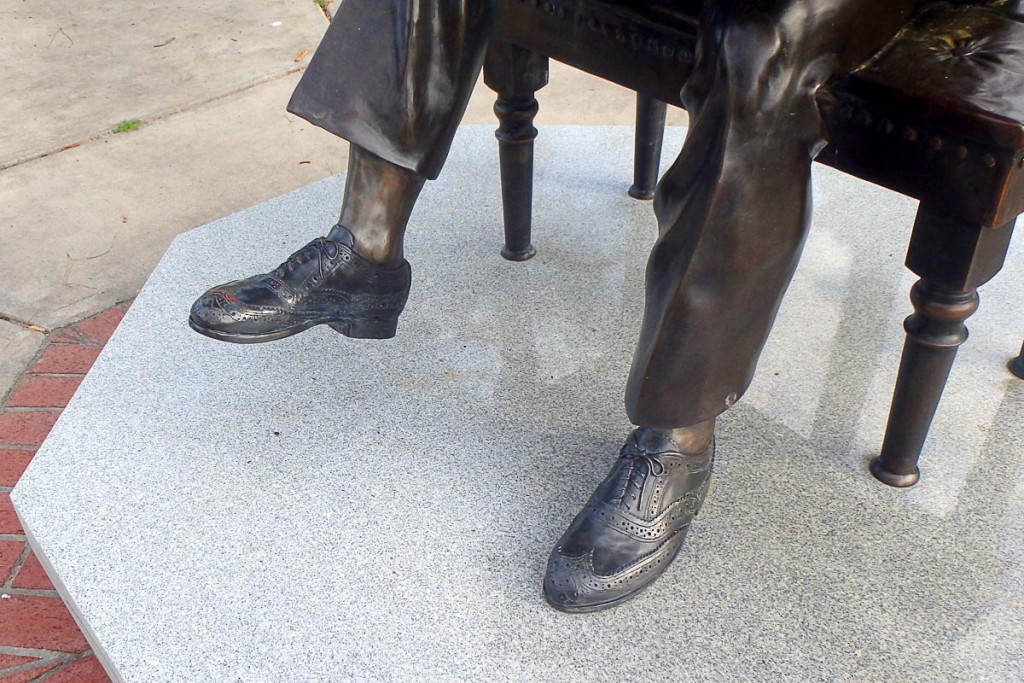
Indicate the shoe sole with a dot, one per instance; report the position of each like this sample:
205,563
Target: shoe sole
355,329
598,606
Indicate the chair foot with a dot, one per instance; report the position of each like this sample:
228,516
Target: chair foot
1017,364
894,479
518,254
648,138
637,192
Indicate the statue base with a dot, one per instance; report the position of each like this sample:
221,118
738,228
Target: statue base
322,508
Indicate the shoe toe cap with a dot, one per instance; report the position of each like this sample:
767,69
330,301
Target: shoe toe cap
237,305
570,585
214,309
563,585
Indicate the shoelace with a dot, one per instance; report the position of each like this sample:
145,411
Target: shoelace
634,478
317,248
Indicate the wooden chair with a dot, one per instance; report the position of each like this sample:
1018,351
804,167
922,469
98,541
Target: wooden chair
934,116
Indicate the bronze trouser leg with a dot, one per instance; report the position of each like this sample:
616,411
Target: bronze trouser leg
393,77
733,210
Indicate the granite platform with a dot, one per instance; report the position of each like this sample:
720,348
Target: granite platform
328,509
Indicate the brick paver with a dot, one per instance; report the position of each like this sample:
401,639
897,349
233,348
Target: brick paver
44,391
12,464
32,575
71,359
39,639
99,327
69,335
39,622
9,523
26,427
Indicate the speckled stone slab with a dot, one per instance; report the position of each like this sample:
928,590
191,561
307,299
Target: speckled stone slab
327,509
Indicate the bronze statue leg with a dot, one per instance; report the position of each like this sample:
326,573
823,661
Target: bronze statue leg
733,213
733,209
379,199
394,78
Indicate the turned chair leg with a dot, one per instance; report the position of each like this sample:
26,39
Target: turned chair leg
953,258
648,138
516,74
1017,364
934,333
515,150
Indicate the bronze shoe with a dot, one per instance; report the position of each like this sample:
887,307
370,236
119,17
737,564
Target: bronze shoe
324,283
632,527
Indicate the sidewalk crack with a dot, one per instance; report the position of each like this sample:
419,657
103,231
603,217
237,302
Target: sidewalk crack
23,323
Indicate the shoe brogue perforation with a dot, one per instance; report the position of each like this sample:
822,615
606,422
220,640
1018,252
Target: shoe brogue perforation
591,590
682,509
324,282
636,521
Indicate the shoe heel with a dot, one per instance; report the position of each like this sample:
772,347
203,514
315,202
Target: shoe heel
380,328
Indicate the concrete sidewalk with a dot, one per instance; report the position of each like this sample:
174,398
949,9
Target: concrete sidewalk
85,213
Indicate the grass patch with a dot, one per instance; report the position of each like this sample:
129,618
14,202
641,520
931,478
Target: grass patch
128,125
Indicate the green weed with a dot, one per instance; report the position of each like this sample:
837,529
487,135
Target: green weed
127,126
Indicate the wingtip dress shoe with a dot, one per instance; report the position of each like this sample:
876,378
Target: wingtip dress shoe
632,527
324,283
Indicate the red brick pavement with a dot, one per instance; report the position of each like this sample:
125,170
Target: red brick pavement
39,640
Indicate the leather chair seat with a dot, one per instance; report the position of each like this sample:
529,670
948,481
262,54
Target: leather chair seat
939,113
